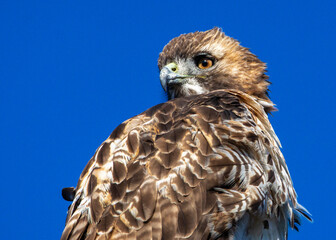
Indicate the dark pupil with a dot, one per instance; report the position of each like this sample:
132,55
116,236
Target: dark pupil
205,63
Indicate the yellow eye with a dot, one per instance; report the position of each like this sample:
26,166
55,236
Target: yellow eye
204,63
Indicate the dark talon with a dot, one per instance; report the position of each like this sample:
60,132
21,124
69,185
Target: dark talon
68,193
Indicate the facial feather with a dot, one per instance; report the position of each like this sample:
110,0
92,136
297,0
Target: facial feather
235,67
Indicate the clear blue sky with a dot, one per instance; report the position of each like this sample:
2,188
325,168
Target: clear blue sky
71,71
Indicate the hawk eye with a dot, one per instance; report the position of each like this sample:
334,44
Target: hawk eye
203,62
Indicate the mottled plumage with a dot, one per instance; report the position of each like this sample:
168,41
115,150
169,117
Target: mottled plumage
204,165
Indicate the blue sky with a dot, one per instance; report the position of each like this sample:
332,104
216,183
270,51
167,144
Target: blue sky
71,71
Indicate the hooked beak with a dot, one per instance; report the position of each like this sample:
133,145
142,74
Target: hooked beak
169,76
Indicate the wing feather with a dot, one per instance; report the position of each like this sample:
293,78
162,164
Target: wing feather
190,168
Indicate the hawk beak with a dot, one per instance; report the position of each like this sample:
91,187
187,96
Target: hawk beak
169,76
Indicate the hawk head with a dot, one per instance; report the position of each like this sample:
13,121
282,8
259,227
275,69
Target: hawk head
201,62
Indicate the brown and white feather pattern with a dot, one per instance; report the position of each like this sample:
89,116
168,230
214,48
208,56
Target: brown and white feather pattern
199,167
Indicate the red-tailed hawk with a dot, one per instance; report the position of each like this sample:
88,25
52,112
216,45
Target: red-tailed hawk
204,165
